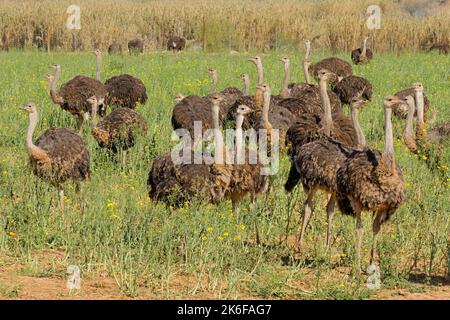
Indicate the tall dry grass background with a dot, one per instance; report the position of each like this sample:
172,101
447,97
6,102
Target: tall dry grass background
225,24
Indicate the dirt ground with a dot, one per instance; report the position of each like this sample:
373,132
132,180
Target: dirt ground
15,283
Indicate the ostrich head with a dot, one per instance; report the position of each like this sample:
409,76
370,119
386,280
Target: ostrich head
392,102
244,77
418,86
49,77
30,107
178,97
212,72
243,109
56,66
97,52
216,98
409,101
264,87
326,75
358,102
285,59
256,60
92,100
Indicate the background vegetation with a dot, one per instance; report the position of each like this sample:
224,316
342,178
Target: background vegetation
225,24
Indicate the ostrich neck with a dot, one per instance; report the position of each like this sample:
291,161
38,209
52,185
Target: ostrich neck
359,132
287,74
98,63
94,113
259,67
305,72
364,49
258,100
239,137
420,105
266,106
218,139
327,120
54,94
308,51
409,121
389,138
32,149
246,90
213,83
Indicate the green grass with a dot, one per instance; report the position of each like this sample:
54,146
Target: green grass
146,246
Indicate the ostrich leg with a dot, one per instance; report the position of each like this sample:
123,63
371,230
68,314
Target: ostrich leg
80,120
306,216
330,215
359,235
375,229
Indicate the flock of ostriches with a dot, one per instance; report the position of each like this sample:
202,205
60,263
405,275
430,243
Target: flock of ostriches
327,149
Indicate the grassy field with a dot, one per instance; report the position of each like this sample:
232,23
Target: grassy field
126,246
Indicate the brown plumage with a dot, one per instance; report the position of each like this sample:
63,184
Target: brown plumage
352,87
124,91
115,48
59,154
338,66
230,95
135,46
176,43
118,130
371,180
362,55
401,111
73,95
175,183
439,133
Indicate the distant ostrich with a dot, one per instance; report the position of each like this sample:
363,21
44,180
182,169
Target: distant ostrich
114,48
371,180
124,91
285,91
176,183
117,131
362,55
59,154
401,110
176,44
256,60
135,46
73,95
338,66
352,86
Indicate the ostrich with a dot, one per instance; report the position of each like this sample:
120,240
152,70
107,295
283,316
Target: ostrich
338,66
371,180
401,110
256,60
176,44
73,95
59,154
315,163
49,78
178,97
114,48
362,55
352,86
135,46
118,129
175,183
124,91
